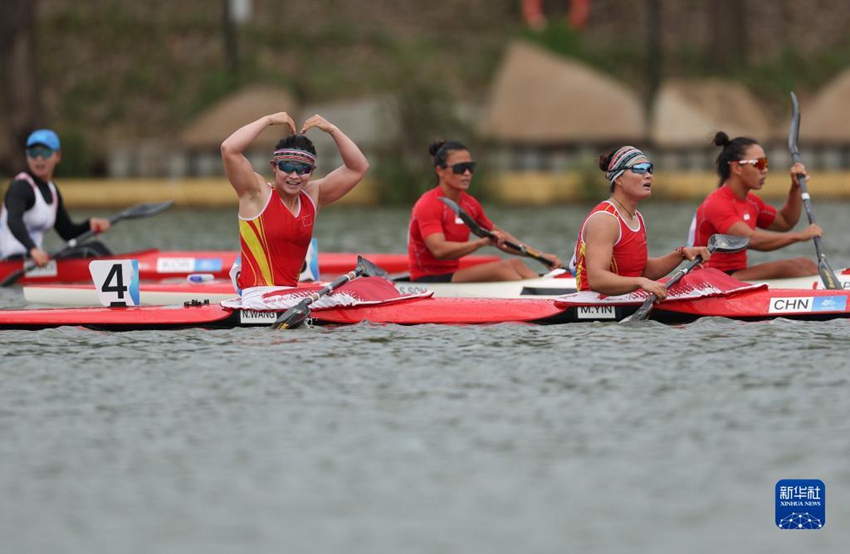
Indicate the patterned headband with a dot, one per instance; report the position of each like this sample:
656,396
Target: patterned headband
621,161
293,155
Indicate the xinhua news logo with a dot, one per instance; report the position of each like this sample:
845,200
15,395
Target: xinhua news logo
800,504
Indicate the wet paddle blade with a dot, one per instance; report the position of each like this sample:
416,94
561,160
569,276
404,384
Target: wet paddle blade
294,316
716,243
727,244
146,209
794,129
471,223
369,269
827,275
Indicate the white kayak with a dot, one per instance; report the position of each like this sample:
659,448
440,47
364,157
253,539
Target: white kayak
550,285
176,292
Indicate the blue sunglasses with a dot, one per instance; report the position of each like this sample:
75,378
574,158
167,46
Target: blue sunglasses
39,152
642,168
300,169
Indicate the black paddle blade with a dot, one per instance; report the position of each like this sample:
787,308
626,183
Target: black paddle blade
146,209
727,244
369,269
294,316
13,277
471,223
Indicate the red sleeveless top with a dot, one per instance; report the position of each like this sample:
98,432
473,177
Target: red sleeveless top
274,243
629,256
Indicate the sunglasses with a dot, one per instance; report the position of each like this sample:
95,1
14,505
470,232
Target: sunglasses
39,152
758,163
642,168
300,169
462,167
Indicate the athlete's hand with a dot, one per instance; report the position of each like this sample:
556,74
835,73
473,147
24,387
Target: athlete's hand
811,232
691,252
320,123
653,287
282,118
797,169
498,239
556,261
39,256
99,225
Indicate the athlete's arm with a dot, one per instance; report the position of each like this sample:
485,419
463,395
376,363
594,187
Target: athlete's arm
341,180
767,241
789,214
66,228
600,233
245,181
443,249
19,198
506,236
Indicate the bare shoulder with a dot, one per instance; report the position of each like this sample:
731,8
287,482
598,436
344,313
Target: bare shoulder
253,200
312,190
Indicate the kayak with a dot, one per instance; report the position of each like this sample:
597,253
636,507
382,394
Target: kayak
161,293
175,292
711,293
156,265
212,316
153,265
550,286
752,303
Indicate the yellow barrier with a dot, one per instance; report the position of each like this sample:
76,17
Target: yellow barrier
538,188
194,193
526,188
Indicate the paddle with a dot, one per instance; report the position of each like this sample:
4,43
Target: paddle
827,275
716,243
484,233
297,314
134,212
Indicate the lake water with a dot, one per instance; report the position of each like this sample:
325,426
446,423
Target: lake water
387,439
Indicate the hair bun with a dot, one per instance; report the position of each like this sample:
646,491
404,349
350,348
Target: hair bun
435,147
721,139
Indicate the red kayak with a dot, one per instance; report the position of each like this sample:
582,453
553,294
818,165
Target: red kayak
410,312
711,293
156,265
755,304
700,294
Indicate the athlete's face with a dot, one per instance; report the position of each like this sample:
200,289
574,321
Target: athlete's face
457,174
42,161
290,178
637,183
748,171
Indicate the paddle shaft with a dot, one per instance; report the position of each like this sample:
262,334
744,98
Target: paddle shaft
823,266
647,305
140,210
12,278
484,233
827,275
524,250
295,315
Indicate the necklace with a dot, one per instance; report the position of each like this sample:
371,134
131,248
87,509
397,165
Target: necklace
621,205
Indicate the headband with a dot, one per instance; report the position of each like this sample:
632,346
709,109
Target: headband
293,155
620,161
